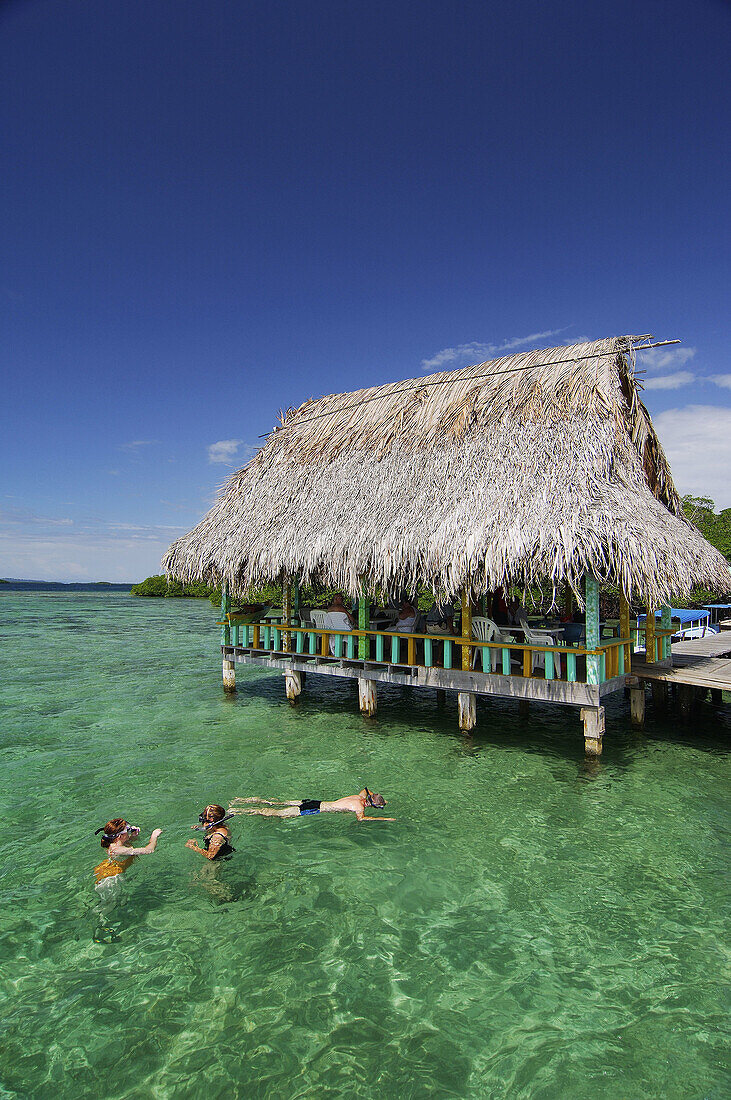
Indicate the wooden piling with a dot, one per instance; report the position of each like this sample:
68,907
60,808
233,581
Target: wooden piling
637,702
367,698
293,684
594,725
229,675
467,710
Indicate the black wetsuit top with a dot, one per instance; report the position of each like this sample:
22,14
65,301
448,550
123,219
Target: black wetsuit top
224,850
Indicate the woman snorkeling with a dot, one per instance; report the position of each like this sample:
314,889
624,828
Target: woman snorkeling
117,838
217,840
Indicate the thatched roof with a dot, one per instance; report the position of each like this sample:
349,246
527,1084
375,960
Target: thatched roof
531,467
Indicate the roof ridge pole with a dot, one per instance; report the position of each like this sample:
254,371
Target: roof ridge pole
591,595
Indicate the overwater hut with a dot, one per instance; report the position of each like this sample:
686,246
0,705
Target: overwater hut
536,468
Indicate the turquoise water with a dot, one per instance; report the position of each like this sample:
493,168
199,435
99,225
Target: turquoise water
530,926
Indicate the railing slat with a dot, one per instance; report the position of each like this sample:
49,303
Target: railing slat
506,662
447,653
571,667
427,653
395,647
549,665
379,647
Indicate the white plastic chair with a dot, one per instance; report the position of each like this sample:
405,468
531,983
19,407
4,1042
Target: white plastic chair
318,618
540,637
336,620
485,630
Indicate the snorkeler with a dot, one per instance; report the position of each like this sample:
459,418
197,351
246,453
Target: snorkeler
118,834
216,843
354,803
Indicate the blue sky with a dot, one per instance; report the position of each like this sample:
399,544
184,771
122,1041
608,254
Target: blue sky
213,211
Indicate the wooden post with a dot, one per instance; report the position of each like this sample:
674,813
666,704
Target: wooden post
593,719
229,675
568,601
624,629
650,648
367,699
466,633
467,710
292,684
225,609
296,598
659,695
637,702
286,616
591,588
685,700
665,612
364,614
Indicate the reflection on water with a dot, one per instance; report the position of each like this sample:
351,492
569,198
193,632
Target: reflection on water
532,925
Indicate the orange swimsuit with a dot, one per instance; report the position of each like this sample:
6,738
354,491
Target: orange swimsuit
111,867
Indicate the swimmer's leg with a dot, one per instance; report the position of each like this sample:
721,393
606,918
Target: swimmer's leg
266,801
288,811
110,891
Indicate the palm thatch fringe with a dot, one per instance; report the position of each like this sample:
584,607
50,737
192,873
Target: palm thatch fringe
533,467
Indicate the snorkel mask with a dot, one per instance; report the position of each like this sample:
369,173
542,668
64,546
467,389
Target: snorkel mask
133,830
209,824
370,802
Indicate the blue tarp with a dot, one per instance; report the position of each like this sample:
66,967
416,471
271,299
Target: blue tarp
684,614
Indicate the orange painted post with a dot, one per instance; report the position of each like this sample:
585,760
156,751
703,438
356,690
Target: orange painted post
527,663
650,639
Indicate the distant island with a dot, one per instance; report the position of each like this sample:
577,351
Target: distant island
161,586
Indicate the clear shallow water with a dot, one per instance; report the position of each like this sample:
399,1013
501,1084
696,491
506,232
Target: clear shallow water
531,926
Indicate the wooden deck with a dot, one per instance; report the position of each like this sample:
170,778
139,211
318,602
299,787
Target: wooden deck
701,662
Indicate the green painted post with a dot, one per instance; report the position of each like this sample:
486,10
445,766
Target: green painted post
428,652
364,614
591,595
506,662
549,665
665,625
447,653
571,667
379,648
395,649
225,608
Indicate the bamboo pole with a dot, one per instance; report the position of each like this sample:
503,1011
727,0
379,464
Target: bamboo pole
466,630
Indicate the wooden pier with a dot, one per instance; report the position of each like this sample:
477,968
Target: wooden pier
700,662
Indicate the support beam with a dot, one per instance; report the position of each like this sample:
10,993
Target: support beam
685,700
659,696
591,595
367,699
225,609
286,616
466,632
364,614
594,724
637,702
229,676
467,710
650,642
293,684
624,628
665,612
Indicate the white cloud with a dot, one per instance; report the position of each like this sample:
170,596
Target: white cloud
662,358
227,449
479,353
137,444
721,380
669,381
697,442
224,450
92,551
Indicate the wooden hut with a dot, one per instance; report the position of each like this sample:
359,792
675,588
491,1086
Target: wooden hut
532,468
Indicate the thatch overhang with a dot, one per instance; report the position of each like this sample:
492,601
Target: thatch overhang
533,467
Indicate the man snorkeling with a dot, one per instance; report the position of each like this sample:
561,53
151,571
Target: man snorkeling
354,804
217,840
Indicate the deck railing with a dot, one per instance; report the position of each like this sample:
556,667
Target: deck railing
434,651
662,642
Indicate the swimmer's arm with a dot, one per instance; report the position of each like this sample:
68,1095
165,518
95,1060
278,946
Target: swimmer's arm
213,846
362,817
122,850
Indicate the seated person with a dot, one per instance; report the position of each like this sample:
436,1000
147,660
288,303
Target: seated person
500,613
338,606
440,619
406,620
